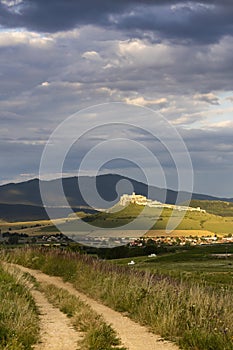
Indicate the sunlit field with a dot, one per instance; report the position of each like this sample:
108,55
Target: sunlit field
197,316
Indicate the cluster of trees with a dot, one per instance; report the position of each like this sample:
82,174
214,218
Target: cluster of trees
13,237
128,251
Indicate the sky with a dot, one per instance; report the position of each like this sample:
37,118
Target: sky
174,57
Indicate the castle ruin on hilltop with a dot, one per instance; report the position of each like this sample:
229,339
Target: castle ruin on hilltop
142,200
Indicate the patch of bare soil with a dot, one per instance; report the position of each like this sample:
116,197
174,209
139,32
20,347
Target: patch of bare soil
132,335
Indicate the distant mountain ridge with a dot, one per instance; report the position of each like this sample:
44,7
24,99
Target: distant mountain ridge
14,195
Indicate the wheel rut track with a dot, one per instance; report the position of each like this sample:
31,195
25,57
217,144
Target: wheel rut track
56,330
132,335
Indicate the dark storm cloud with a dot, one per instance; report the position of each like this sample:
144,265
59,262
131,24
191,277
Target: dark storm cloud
205,21
199,24
45,77
56,15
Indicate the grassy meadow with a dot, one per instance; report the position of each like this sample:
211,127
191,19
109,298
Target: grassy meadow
19,322
205,264
194,313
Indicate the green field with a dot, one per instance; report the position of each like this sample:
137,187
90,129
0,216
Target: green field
196,263
29,227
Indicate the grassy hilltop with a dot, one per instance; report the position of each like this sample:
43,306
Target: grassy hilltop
218,219
158,220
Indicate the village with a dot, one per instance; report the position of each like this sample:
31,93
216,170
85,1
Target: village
14,238
184,240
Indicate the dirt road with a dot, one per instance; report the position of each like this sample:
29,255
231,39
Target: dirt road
56,330
132,335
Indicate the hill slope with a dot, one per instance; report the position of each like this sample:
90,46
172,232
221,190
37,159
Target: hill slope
159,220
221,208
23,212
28,193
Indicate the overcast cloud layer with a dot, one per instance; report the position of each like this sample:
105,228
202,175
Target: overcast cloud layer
57,57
